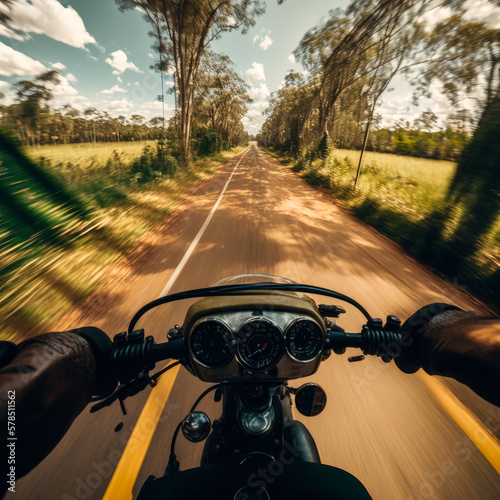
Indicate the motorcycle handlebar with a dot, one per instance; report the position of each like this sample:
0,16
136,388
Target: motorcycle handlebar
132,354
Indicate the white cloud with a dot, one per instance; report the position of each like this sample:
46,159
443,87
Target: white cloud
151,55
63,88
13,62
59,66
4,87
398,105
137,84
255,73
291,58
259,93
50,18
483,10
6,90
128,107
475,10
113,90
435,16
71,78
230,21
254,119
119,79
7,32
260,106
120,63
266,42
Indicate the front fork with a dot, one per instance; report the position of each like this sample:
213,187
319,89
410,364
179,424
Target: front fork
231,441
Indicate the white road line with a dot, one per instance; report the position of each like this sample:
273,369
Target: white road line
193,245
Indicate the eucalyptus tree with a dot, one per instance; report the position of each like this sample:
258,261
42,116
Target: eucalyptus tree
289,114
31,96
463,55
183,29
221,97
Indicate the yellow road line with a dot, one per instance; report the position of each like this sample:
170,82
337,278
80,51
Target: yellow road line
127,470
485,441
130,463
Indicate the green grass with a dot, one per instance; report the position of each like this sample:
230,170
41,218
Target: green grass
405,198
60,255
87,155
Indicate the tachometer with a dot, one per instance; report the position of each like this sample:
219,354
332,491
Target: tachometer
260,344
211,343
304,339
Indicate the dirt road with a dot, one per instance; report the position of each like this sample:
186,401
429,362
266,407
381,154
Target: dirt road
381,425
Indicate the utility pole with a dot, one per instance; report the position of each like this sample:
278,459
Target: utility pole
365,140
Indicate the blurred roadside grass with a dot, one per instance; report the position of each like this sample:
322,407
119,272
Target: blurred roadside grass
405,198
97,200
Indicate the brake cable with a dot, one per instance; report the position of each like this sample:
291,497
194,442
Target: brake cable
130,388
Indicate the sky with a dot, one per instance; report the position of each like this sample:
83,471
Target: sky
104,56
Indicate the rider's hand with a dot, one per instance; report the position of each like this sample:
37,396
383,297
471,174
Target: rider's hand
445,340
101,344
412,356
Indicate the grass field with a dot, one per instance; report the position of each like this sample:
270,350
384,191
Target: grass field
88,155
419,183
405,198
59,256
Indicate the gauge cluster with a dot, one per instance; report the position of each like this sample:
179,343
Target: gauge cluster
240,344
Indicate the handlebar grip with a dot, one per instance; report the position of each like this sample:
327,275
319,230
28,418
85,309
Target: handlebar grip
371,341
132,358
174,349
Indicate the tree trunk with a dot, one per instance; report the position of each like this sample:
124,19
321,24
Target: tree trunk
365,140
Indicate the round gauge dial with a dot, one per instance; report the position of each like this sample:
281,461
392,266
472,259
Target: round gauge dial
211,343
304,340
260,344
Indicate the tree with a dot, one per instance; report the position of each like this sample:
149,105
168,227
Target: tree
221,98
92,113
461,53
31,96
183,30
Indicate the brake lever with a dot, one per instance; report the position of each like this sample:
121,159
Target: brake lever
124,391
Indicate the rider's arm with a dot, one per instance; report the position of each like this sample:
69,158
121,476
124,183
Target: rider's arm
445,340
51,378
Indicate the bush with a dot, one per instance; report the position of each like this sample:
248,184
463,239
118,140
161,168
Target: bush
153,164
207,143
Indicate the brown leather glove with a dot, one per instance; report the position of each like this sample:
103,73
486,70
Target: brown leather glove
51,377
445,340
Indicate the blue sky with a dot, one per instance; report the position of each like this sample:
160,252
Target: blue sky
104,56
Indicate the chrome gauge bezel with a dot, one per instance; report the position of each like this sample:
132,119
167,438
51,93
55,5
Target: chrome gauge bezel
229,342
242,338
287,339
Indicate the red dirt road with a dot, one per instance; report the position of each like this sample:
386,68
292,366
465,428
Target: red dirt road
384,427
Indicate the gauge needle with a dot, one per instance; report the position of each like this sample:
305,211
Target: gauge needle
259,349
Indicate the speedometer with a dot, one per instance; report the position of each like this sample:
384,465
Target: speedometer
211,343
260,344
304,339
